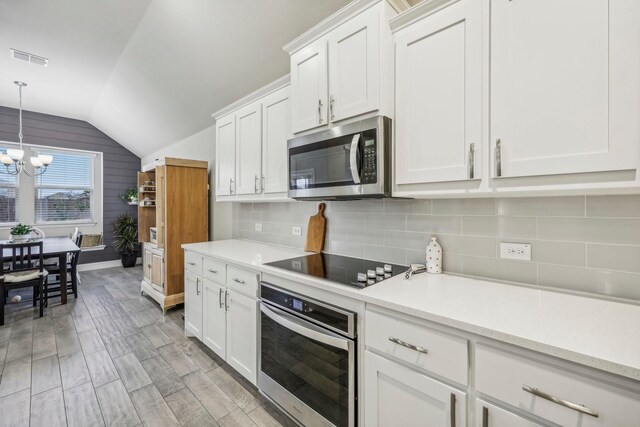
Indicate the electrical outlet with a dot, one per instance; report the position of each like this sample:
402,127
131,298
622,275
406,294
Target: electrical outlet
258,226
296,230
519,251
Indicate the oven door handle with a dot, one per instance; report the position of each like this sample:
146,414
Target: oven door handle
306,329
353,159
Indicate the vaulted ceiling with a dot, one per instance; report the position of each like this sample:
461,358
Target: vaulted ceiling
148,72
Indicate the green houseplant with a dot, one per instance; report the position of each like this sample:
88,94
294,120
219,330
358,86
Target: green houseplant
130,196
21,232
125,231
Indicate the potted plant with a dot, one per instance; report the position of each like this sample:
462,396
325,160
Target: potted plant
125,231
21,232
130,196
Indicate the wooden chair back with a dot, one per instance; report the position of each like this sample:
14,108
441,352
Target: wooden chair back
23,256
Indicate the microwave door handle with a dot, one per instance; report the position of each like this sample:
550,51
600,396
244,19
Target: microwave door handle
353,159
306,329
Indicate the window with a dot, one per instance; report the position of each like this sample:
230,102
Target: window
8,195
65,193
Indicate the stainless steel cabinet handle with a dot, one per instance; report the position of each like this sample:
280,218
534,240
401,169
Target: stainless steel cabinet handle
210,270
226,302
319,110
332,101
471,160
485,416
148,265
220,298
242,282
452,409
197,286
498,158
255,184
561,402
191,263
262,184
230,189
407,345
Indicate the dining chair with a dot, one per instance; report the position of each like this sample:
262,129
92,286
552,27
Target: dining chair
50,288
26,269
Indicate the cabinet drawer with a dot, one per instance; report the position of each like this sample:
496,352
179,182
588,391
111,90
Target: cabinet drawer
504,376
214,270
438,352
243,281
193,263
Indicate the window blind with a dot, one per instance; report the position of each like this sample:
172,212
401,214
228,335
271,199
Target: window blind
8,195
65,191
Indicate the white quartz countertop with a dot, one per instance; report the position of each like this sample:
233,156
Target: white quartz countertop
594,332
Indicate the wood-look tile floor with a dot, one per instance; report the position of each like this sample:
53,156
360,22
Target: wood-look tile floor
111,358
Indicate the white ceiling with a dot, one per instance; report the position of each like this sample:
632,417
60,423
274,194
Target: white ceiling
148,72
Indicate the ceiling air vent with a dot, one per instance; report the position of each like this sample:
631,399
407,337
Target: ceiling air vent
29,57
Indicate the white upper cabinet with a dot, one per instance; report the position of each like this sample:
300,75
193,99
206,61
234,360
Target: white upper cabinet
564,86
248,149
309,86
342,68
225,155
251,145
354,71
276,129
439,96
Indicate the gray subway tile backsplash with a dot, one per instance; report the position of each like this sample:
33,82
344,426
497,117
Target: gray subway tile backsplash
587,244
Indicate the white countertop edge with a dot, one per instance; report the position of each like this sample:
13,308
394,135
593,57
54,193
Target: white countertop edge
204,248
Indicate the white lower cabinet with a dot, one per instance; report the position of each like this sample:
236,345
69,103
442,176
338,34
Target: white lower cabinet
242,318
488,415
193,304
224,316
214,318
396,395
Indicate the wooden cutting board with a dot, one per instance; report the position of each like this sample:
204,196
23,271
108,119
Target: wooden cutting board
315,231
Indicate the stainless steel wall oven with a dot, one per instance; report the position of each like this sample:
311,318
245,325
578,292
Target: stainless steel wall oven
308,358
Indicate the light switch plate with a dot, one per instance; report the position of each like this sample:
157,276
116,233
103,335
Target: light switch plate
519,251
296,230
258,226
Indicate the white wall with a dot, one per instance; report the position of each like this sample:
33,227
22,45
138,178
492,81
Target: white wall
201,146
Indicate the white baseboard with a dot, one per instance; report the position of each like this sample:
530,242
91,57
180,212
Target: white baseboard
104,264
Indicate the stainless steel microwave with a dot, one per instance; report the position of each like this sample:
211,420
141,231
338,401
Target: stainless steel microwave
351,161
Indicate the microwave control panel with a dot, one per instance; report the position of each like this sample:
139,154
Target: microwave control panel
369,166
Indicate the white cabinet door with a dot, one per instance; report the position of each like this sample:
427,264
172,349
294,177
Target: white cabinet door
157,272
147,265
354,66
242,324
249,149
438,96
488,415
276,129
225,155
398,396
214,319
309,86
193,304
564,85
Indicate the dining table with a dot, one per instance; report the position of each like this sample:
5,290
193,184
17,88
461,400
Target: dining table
52,247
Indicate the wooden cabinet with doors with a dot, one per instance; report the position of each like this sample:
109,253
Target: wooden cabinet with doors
179,213
342,74
438,97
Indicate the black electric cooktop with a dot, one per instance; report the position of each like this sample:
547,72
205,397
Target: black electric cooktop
355,272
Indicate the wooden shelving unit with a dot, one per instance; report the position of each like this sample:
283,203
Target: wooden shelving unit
177,193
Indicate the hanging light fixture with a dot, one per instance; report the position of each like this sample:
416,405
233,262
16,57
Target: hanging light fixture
14,156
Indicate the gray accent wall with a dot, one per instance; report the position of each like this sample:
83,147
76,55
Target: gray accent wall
579,244
119,164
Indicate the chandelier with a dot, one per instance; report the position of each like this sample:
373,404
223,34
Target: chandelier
13,159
